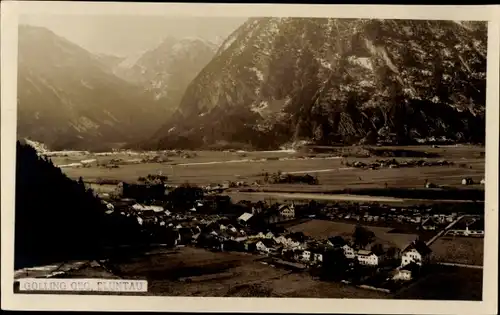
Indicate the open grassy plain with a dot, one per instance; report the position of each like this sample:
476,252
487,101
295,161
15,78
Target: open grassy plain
459,250
207,167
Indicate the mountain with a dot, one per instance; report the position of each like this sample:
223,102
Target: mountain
336,81
109,61
69,98
167,70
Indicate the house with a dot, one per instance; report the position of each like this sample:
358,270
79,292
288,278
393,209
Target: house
429,225
467,181
407,272
306,255
269,235
287,211
298,254
348,251
483,181
317,257
261,247
366,257
244,218
417,252
287,243
140,207
402,274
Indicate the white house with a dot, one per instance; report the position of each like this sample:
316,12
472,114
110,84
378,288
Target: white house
417,252
287,211
261,247
402,274
245,217
140,207
286,242
366,257
306,255
348,251
467,181
317,257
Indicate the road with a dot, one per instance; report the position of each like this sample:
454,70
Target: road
460,265
337,197
449,226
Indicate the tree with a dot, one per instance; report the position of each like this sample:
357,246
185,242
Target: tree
362,236
392,252
80,182
335,265
377,249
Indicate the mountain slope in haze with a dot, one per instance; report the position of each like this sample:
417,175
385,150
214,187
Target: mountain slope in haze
167,70
69,98
277,80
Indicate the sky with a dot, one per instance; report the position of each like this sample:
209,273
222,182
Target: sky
129,35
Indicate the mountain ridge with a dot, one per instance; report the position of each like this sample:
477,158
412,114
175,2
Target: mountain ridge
167,69
69,98
279,80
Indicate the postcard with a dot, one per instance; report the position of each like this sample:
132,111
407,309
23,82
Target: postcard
250,157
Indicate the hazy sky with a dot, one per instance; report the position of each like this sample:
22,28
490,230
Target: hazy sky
126,35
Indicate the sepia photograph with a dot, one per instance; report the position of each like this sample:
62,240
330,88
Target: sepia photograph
318,156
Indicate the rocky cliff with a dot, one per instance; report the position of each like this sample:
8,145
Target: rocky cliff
326,80
168,69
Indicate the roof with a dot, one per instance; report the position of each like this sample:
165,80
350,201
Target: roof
281,207
419,246
363,252
147,208
245,216
337,240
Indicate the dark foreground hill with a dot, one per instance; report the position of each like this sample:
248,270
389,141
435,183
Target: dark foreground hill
56,218
336,81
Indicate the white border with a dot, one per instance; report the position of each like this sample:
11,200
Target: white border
9,22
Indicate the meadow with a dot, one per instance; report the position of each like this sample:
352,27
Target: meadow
459,250
205,167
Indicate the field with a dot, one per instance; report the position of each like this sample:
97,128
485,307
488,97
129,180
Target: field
197,272
447,283
460,250
322,229
215,167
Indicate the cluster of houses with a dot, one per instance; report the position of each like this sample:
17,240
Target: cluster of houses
424,218
393,163
215,223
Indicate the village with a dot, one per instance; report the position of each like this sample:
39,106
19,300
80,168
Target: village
187,215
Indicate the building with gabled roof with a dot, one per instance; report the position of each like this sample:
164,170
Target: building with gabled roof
417,252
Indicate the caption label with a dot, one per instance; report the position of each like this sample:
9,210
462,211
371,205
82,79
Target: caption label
99,285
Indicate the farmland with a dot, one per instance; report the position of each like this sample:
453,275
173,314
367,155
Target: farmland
460,250
191,271
204,167
447,283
